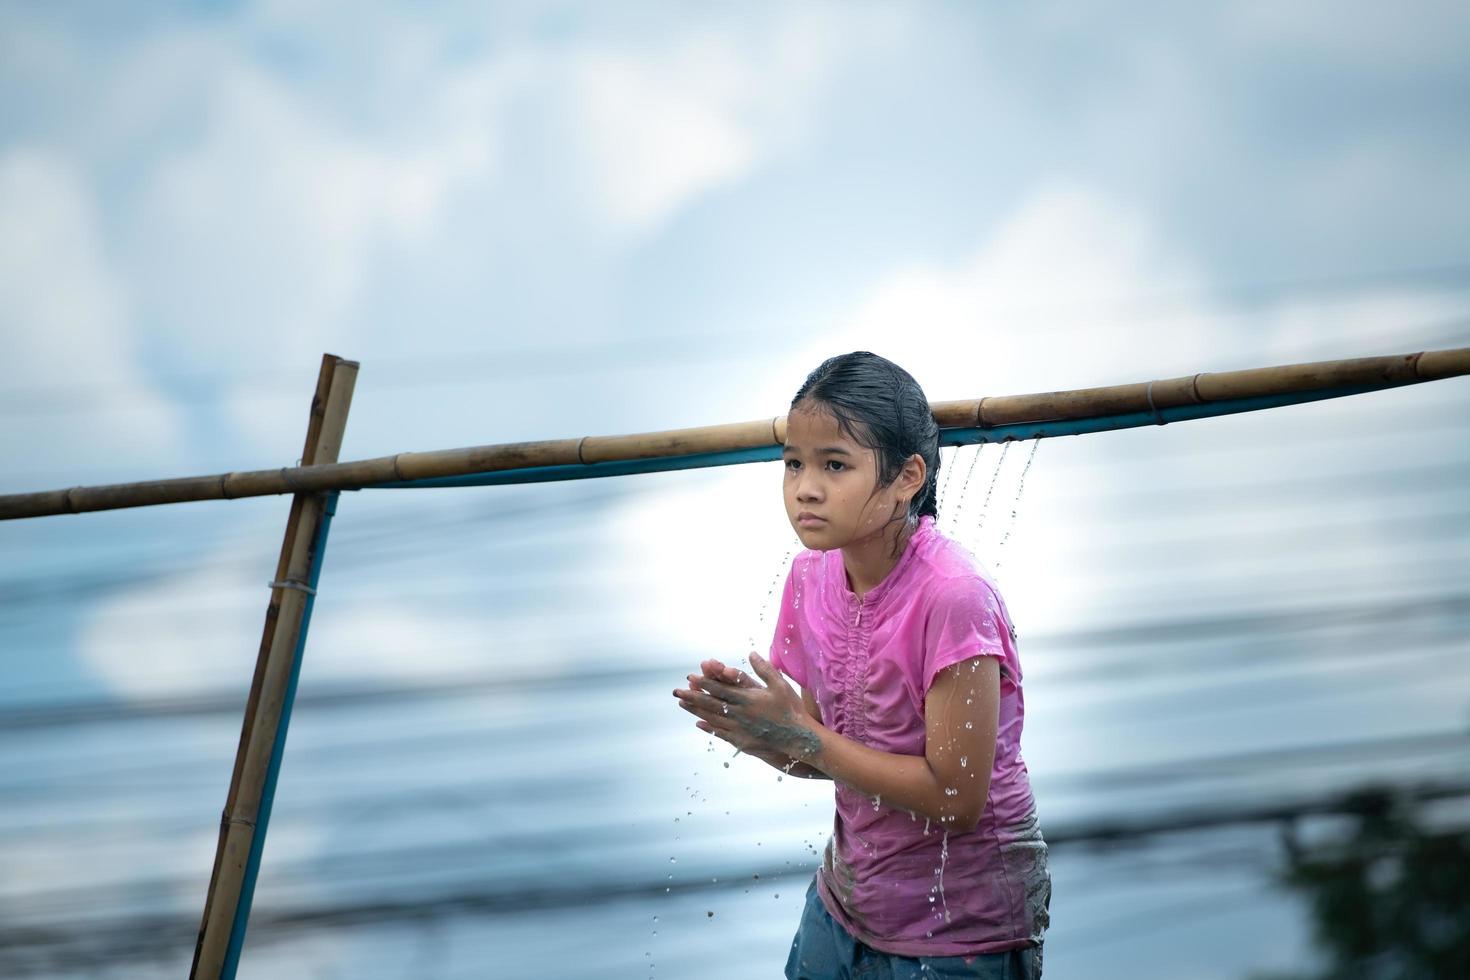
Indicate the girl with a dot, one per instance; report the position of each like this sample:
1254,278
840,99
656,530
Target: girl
910,702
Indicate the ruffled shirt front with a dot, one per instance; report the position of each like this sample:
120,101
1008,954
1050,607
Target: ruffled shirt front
890,878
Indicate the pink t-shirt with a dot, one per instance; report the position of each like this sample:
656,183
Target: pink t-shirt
892,880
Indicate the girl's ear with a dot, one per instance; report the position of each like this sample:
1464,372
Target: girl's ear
911,478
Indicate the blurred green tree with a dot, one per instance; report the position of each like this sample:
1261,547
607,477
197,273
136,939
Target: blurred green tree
1390,900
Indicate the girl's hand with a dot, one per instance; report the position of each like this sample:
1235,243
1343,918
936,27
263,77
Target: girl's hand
732,706
717,671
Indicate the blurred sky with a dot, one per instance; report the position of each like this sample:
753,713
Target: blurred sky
538,220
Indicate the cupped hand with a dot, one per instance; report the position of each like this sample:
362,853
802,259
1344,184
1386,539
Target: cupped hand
735,707
718,671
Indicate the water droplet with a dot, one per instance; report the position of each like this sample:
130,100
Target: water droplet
965,487
672,861
943,857
964,761
709,915
1020,486
969,724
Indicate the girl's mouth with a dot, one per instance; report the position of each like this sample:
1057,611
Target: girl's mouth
809,520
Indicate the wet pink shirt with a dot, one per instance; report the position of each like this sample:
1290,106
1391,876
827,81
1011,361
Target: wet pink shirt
868,663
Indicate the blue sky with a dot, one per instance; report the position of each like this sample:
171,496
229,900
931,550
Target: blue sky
537,220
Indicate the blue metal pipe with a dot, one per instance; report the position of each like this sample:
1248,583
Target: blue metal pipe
947,437
268,790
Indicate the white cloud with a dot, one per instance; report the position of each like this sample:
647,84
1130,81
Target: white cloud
197,628
1068,264
276,207
670,122
1370,34
136,644
65,317
652,144
257,237
1385,320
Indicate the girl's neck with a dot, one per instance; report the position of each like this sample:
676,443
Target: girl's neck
868,562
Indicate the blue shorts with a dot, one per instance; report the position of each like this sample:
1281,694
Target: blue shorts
823,950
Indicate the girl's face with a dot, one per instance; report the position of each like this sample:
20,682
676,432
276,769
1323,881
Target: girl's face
833,499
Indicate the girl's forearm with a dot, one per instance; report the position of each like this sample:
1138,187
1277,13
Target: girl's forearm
907,782
789,765
802,770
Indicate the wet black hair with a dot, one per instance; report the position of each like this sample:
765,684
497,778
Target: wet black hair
880,406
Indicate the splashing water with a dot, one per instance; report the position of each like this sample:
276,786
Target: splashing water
1020,487
965,488
948,465
999,465
943,857
969,538
770,595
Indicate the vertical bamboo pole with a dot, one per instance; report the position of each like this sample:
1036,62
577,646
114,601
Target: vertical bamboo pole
268,708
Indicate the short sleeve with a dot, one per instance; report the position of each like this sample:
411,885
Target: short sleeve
788,650
964,620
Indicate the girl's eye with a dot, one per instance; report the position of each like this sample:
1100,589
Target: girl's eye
793,464
836,465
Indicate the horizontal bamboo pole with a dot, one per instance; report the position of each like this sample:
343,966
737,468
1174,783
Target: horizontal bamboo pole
991,411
